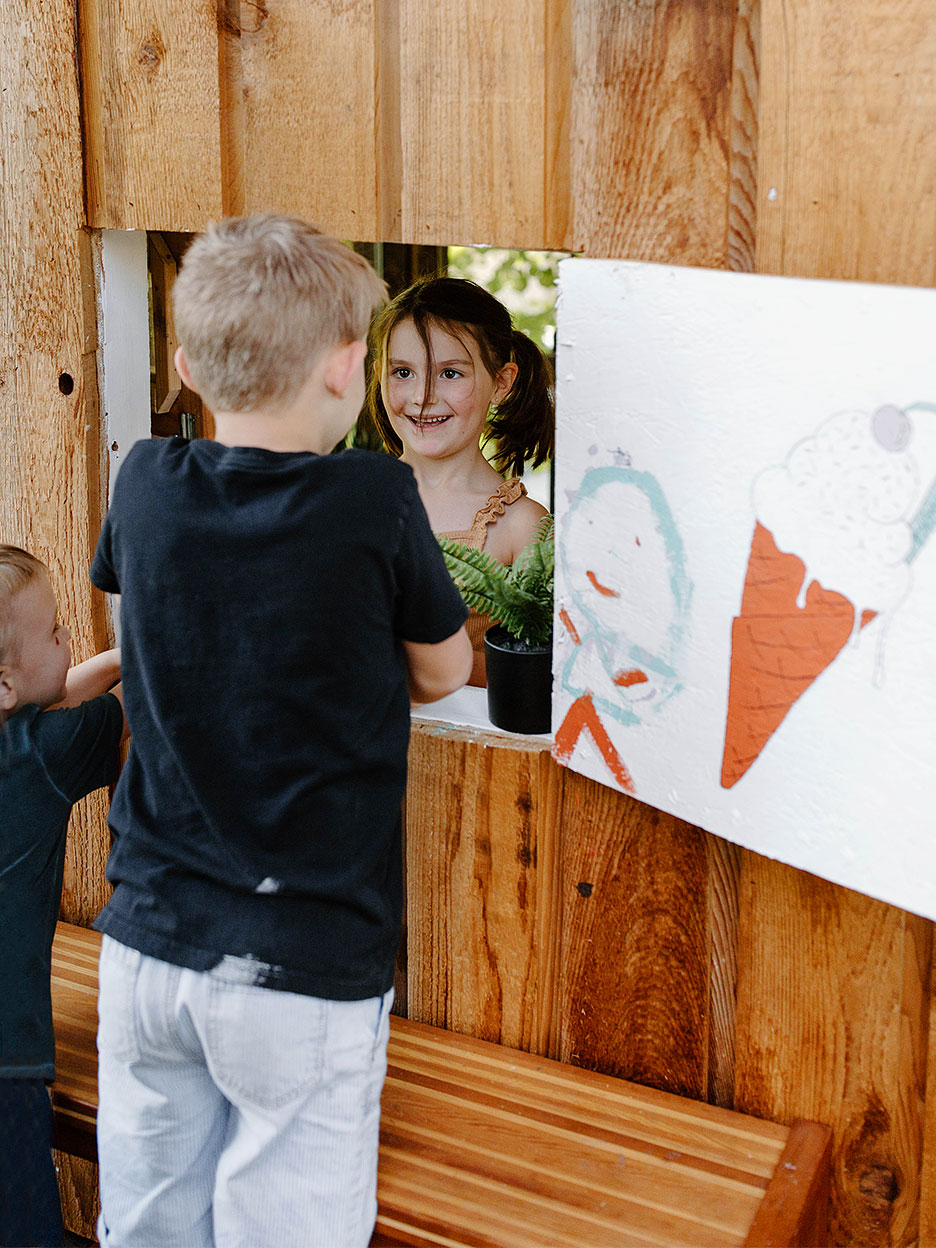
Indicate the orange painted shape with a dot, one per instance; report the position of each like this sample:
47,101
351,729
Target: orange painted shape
602,589
570,627
777,649
632,677
582,716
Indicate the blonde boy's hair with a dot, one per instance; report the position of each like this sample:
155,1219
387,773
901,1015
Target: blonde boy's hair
17,569
258,299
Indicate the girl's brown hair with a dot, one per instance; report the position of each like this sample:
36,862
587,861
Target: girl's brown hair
522,426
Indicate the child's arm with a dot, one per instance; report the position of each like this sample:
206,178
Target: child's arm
433,671
93,677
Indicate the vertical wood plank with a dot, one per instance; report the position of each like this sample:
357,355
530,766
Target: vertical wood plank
233,113
78,1192
928,1168
558,226
309,83
848,140
473,121
650,133
481,926
832,1024
151,113
388,134
724,878
743,163
50,452
634,957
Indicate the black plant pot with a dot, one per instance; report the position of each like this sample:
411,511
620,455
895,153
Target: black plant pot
519,683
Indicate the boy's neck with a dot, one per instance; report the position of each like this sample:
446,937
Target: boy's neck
266,432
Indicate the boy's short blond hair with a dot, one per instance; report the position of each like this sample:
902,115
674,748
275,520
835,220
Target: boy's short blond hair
258,299
17,569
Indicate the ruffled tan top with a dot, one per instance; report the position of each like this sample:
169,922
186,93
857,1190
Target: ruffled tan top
475,537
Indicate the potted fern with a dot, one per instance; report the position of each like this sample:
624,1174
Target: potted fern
518,645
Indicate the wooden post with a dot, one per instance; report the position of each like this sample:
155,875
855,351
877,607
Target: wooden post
50,452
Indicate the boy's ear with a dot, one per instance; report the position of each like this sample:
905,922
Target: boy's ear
342,365
7,692
182,368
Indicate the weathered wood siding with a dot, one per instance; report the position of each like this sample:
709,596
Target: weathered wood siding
784,136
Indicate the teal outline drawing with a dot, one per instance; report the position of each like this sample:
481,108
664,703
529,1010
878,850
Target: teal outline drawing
609,643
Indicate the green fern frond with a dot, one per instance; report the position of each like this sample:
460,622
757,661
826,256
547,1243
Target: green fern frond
520,597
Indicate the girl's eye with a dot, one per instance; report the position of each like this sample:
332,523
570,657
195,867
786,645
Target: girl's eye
401,373
451,374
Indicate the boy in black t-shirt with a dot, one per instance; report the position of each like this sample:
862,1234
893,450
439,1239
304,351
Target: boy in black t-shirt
280,608
48,760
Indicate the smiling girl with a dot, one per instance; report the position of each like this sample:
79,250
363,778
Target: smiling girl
450,374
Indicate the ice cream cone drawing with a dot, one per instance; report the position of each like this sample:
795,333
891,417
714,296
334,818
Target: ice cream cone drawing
831,551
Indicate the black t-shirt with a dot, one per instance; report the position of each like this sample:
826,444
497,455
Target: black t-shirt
264,599
48,760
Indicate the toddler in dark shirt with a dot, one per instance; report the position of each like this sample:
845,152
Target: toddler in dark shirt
280,608
48,760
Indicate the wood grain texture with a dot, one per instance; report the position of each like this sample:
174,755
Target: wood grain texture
151,113
847,140
481,905
634,960
795,1208
651,115
742,190
473,122
724,878
50,451
927,1230
309,78
832,1024
559,222
387,132
486,1145
78,1192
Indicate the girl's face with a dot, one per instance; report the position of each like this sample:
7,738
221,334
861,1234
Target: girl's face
461,391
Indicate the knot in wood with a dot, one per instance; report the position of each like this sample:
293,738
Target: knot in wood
880,1185
151,53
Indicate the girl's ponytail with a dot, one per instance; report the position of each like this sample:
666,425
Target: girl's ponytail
523,425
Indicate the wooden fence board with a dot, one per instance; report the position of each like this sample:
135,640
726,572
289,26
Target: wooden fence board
724,879
50,455
634,958
847,143
650,129
151,113
472,111
50,452
832,1025
743,164
481,907
309,75
927,1233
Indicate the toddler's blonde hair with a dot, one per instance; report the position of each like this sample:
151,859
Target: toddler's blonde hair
258,299
17,569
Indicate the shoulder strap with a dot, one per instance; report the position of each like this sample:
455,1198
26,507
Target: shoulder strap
505,494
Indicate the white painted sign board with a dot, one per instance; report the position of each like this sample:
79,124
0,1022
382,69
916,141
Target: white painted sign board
746,565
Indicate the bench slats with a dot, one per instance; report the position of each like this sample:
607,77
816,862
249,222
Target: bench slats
487,1147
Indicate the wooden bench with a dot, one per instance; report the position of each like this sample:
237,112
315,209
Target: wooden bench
493,1148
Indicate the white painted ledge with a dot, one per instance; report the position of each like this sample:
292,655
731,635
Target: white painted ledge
467,708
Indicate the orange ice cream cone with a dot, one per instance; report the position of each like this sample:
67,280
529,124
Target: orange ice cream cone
777,648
